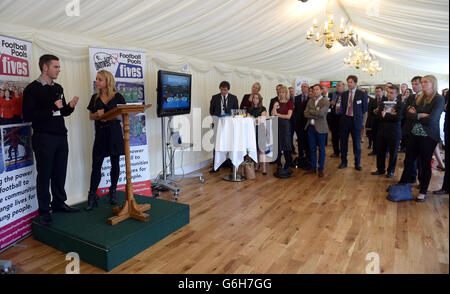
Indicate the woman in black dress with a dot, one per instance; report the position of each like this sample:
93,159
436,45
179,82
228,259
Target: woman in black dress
108,136
259,112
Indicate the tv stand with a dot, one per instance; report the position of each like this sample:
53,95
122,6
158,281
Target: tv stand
164,183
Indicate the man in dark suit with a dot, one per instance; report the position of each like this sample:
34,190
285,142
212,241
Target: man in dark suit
372,122
389,132
222,104
327,95
354,105
333,117
444,189
293,128
416,84
301,121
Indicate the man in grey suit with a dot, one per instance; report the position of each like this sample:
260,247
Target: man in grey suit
316,112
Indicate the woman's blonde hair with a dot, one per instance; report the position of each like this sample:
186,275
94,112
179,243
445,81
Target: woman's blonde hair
110,84
257,84
284,89
422,95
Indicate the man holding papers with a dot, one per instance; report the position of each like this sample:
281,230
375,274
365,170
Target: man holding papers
389,133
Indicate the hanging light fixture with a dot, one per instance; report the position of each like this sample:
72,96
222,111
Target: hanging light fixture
329,33
372,68
363,60
358,59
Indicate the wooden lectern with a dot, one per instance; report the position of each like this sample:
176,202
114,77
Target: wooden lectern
130,209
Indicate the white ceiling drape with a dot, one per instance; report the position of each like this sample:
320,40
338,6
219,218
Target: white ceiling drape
268,35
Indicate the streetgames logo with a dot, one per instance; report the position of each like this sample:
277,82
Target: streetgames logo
104,60
13,66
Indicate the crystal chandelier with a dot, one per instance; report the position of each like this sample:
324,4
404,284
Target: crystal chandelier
372,68
363,60
330,32
358,59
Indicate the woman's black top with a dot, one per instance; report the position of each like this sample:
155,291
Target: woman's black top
108,135
429,124
256,112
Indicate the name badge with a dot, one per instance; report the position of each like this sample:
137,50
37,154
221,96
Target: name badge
358,101
57,113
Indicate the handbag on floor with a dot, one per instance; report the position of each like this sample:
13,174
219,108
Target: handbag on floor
400,192
249,170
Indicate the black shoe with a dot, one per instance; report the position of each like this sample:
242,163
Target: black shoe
65,208
372,154
112,197
334,155
440,192
390,175
45,220
343,165
92,201
377,173
358,167
212,171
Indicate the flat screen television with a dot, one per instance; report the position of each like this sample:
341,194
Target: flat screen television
326,84
174,93
334,84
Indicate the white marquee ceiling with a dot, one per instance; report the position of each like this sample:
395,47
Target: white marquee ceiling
261,34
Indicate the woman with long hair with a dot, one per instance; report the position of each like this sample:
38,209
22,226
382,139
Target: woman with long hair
284,109
246,102
426,113
259,112
408,92
108,136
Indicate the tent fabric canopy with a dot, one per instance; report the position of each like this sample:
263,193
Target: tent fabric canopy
264,35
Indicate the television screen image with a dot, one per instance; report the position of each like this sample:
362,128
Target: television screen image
326,84
334,84
174,93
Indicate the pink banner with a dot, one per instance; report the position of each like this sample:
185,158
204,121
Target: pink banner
16,230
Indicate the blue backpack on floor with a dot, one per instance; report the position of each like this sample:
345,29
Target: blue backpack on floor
400,192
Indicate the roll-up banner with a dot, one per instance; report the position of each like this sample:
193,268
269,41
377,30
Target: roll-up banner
18,202
128,69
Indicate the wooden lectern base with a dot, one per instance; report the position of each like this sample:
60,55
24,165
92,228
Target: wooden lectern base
130,210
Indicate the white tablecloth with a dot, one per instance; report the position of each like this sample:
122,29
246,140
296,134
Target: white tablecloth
235,138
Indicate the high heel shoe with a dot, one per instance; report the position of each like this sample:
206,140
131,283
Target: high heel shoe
112,197
92,201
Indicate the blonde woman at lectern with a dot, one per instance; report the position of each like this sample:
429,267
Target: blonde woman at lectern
108,136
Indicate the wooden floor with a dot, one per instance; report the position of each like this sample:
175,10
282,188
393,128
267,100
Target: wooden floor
300,225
